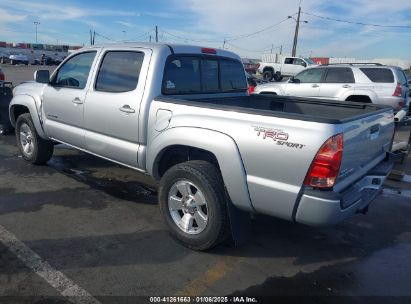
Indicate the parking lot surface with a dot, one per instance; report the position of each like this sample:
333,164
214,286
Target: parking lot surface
83,226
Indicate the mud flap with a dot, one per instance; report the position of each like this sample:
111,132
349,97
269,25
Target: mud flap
240,224
5,98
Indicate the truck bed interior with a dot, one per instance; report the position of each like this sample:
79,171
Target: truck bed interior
307,109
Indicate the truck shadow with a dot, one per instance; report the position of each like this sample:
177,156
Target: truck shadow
270,238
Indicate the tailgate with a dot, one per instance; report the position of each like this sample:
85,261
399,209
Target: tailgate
366,142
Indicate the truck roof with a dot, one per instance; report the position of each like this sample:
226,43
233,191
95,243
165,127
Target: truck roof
177,48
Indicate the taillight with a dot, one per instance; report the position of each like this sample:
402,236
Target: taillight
326,165
2,76
251,89
398,91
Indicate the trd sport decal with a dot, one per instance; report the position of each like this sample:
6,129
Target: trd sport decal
278,136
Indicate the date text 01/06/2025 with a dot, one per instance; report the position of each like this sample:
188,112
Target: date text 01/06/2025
203,299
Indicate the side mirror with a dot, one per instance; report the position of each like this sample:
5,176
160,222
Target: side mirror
42,76
304,64
294,80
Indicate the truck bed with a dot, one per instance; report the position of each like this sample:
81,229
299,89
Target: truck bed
306,109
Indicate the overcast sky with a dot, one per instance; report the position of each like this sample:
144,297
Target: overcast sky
211,22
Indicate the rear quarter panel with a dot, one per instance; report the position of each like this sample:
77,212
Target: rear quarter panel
275,152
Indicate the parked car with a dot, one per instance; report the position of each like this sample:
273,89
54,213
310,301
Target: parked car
18,59
253,82
250,65
289,66
4,57
368,83
216,151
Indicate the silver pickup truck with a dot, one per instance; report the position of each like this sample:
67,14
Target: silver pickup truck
182,115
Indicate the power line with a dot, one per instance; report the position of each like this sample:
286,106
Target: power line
357,23
268,47
104,37
257,32
186,38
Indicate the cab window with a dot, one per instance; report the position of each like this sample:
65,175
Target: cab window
188,74
119,71
339,75
309,76
74,72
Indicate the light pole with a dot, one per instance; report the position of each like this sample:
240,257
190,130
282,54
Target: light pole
297,26
36,23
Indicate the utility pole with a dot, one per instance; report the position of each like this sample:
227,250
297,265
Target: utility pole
281,49
272,46
224,44
150,38
156,33
36,23
297,26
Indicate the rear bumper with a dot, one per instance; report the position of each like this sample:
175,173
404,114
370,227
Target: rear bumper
324,208
396,102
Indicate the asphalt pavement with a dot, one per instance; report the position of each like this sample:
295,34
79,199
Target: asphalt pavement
84,229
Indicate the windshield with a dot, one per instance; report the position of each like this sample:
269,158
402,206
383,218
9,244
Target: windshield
309,61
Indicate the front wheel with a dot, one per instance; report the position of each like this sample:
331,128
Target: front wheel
33,148
192,203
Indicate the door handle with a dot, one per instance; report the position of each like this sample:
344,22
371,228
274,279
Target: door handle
346,86
127,109
315,85
77,101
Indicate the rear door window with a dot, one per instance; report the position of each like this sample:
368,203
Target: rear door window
339,75
119,71
184,74
288,61
310,76
381,75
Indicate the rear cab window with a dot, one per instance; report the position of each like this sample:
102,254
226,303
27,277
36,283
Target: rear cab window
201,74
380,75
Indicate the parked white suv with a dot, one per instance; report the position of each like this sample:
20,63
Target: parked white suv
367,83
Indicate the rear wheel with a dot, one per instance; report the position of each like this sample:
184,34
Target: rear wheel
268,75
277,76
33,148
192,202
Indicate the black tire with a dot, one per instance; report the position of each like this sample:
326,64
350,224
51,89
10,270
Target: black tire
268,75
277,76
209,181
42,149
